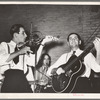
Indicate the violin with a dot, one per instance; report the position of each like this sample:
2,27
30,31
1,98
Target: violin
34,42
35,39
30,43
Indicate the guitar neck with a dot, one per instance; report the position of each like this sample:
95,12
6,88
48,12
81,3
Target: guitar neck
80,57
86,51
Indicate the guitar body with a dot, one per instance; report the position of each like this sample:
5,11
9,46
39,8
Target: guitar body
66,82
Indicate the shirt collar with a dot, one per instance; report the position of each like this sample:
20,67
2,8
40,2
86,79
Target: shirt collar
13,43
78,52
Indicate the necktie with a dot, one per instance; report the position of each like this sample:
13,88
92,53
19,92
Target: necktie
73,53
16,59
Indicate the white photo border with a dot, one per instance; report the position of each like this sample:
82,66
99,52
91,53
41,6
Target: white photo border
49,96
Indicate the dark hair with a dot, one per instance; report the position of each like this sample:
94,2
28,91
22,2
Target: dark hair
81,46
15,28
40,63
72,34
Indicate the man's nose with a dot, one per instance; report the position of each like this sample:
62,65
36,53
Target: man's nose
25,35
73,39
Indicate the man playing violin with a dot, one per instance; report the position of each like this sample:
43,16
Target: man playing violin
82,83
14,63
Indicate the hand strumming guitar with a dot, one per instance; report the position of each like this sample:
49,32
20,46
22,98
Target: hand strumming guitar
57,71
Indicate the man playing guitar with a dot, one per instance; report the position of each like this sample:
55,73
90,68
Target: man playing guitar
81,83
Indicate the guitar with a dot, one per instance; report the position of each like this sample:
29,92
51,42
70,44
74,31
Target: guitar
74,68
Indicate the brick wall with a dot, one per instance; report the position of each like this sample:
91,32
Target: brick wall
56,20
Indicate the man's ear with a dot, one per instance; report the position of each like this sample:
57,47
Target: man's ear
80,42
68,43
15,35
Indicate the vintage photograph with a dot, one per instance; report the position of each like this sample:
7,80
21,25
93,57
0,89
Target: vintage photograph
50,48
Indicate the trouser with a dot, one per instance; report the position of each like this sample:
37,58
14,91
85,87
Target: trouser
96,85
83,85
15,82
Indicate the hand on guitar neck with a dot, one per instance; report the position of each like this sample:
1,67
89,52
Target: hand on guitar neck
97,44
97,47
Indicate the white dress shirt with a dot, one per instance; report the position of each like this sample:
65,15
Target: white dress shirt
24,60
89,62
